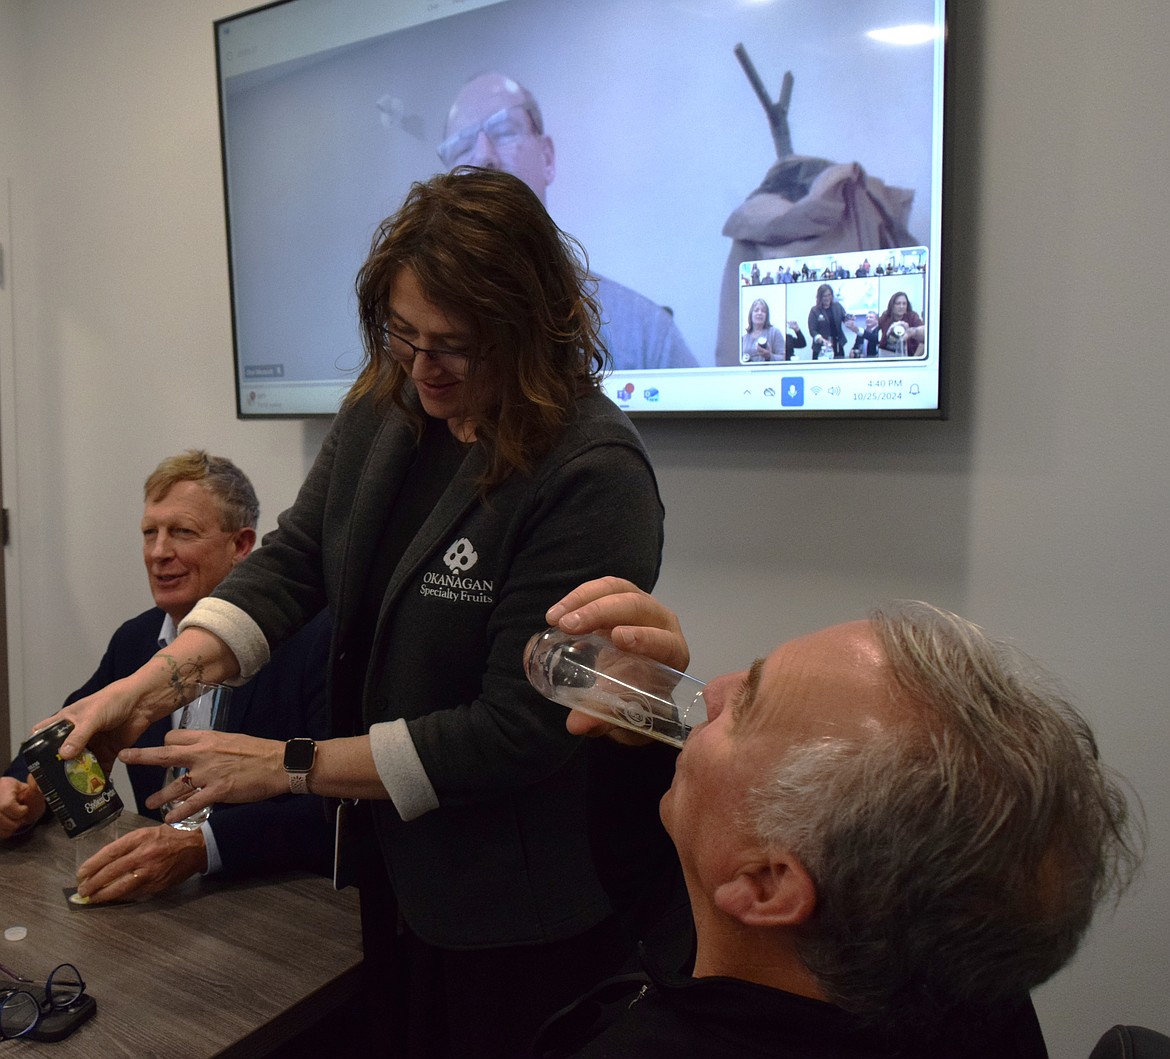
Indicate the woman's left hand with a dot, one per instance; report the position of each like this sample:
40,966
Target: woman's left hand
221,767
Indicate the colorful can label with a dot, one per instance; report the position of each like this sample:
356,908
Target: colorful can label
77,791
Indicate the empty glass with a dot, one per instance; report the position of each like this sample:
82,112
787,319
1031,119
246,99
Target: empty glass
207,711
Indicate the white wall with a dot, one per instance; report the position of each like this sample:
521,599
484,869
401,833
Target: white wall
122,345
1039,509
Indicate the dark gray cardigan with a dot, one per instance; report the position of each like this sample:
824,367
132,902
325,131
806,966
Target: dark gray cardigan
505,858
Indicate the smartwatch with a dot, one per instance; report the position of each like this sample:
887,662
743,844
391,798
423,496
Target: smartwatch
299,755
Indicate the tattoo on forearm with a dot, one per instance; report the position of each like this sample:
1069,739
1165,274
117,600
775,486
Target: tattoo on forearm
182,677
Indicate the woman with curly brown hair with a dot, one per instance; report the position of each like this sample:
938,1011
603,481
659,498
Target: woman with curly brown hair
456,497
827,321
903,331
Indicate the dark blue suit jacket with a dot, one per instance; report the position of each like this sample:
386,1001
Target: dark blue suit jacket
285,699
866,343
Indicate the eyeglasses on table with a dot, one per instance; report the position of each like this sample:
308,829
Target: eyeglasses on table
21,1008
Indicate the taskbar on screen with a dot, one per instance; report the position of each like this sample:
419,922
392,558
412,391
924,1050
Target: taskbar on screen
789,388
793,387
275,398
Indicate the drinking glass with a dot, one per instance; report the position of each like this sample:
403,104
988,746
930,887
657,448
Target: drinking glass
207,711
586,672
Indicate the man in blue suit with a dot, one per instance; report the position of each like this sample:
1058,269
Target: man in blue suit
199,521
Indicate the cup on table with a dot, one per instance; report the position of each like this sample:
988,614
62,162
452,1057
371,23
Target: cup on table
208,712
87,844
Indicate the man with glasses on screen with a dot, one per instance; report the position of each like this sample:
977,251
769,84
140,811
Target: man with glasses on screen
495,123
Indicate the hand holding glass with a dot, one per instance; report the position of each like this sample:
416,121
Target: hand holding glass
208,712
588,673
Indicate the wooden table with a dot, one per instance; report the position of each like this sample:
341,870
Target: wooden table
206,969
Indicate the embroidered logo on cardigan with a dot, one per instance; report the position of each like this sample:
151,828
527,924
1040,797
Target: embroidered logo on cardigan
459,558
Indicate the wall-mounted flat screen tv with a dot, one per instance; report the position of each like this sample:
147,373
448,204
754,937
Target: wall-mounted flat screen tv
758,184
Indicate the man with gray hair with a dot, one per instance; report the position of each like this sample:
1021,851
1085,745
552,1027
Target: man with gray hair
496,123
891,831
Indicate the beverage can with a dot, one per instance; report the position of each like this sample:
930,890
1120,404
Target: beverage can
77,791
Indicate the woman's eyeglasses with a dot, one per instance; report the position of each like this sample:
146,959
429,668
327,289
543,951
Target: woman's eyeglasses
20,1006
404,351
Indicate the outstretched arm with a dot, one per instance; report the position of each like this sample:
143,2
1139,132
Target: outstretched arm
116,716
234,768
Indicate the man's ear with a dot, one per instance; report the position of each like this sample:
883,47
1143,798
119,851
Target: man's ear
244,543
775,892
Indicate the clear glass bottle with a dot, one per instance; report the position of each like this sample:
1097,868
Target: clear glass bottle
587,673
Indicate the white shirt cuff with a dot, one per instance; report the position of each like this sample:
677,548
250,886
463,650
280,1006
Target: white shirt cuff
214,864
401,770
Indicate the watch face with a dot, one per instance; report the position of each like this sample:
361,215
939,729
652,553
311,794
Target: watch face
299,755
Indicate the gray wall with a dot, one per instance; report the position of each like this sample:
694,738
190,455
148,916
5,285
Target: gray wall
1038,509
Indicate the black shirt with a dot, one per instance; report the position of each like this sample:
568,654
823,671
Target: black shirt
673,1017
